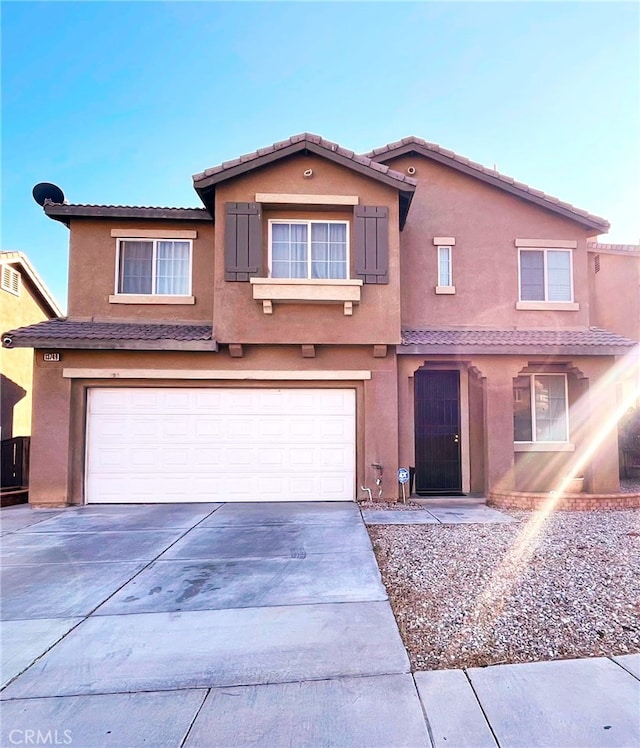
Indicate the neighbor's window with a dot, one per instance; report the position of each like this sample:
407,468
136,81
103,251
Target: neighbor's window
540,412
154,266
445,277
309,249
545,275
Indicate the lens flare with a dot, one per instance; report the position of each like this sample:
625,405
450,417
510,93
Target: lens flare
498,590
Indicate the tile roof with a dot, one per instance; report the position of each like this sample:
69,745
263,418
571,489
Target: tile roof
592,340
302,139
58,331
64,211
443,155
617,247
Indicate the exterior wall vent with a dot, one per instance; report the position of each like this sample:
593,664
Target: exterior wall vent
10,280
411,170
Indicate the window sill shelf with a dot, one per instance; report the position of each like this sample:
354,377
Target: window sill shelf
543,447
445,290
306,291
130,298
548,306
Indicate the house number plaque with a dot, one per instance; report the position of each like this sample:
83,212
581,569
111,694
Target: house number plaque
51,357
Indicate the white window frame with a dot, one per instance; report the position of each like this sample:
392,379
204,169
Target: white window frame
544,251
154,242
449,252
273,221
532,402
13,280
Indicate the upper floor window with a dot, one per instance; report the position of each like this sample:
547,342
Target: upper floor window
445,277
154,267
10,280
540,412
309,249
545,275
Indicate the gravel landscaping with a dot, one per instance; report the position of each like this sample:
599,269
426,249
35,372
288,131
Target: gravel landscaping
566,585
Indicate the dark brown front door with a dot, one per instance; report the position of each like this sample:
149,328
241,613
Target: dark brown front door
437,427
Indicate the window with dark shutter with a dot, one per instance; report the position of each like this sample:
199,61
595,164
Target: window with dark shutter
243,241
371,243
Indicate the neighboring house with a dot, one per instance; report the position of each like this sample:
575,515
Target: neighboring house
326,318
24,300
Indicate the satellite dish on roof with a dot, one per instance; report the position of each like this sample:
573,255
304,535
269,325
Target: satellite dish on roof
44,191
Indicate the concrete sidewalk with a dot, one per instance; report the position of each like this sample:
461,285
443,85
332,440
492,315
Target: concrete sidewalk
253,625
442,511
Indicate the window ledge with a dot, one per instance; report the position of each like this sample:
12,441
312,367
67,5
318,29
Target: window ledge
131,298
445,290
543,447
548,306
306,291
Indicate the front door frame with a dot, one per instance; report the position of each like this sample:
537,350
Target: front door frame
465,461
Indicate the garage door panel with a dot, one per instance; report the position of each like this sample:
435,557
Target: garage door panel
195,444
207,426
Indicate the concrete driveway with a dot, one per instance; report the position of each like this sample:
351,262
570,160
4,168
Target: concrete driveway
202,625
253,625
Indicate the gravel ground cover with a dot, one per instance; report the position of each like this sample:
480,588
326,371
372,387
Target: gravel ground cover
547,587
630,485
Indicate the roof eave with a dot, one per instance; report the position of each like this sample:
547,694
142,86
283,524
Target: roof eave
205,185
509,350
601,225
115,345
64,213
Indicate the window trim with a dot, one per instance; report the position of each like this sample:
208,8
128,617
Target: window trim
445,288
307,222
14,280
153,295
546,301
540,444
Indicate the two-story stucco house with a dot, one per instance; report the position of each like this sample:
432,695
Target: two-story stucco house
325,318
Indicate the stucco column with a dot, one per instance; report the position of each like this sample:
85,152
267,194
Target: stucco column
498,422
49,458
598,449
381,432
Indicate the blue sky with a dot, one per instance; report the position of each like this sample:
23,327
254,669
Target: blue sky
121,102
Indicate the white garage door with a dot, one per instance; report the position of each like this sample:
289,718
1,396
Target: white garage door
179,444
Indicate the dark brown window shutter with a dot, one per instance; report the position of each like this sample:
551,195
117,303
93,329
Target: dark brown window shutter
242,241
371,243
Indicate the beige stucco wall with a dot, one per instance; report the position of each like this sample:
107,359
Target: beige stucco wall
92,273
615,305
615,292
240,319
485,223
16,364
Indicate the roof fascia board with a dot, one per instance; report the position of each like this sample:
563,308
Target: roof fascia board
488,179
